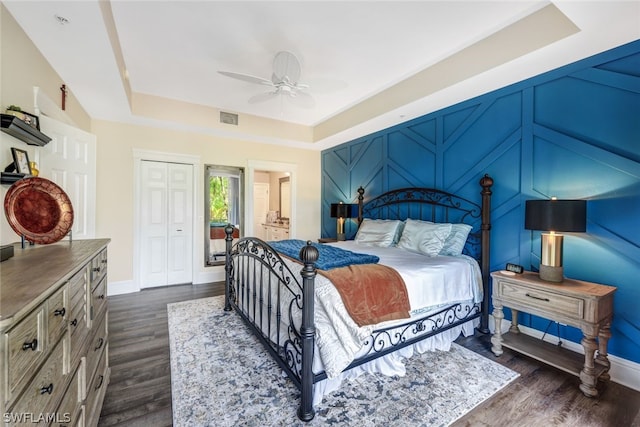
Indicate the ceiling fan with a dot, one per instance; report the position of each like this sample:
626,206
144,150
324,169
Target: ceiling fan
284,81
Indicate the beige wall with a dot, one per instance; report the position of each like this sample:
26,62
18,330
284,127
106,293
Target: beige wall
22,67
115,187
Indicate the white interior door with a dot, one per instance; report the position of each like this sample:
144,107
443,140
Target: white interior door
166,226
260,208
69,160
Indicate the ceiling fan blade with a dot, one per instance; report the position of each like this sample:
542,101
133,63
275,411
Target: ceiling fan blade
285,64
302,99
262,97
247,78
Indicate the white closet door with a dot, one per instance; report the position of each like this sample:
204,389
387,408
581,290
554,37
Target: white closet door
165,218
69,160
180,224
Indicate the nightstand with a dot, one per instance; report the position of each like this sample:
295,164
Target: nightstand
584,305
327,240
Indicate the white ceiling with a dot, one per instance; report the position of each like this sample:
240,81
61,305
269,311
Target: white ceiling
350,51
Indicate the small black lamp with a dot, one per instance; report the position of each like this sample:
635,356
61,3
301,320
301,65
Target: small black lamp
553,216
341,211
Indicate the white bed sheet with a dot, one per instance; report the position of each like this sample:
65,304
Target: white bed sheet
430,281
339,339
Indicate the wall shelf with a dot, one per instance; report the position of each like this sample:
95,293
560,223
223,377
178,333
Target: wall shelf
10,178
21,130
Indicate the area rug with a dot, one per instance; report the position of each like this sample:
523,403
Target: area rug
222,376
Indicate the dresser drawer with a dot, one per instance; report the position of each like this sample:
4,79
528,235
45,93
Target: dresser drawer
98,268
57,306
69,409
96,348
543,300
98,299
26,346
96,390
46,388
77,315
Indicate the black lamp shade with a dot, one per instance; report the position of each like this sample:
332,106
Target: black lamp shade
341,210
556,215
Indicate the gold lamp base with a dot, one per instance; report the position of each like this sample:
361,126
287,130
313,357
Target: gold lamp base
551,274
340,230
551,262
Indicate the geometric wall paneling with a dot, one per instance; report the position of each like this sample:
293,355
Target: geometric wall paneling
415,157
568,168
573,132
507,225
602,115
614,217
425,129
364,147
492,121
626,65
342,154
335,178
399,177
453,119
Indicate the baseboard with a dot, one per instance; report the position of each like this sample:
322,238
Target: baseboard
122,287
210,275
622,371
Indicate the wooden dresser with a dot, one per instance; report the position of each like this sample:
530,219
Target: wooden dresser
54,366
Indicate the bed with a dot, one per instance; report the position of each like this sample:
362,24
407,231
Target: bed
297,311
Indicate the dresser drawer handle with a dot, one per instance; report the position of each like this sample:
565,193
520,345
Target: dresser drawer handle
48,389
33,345
74,322
101,296
100,383
100,343
59,312
538,298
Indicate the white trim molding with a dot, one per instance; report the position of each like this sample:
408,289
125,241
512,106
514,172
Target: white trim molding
197,209
622,371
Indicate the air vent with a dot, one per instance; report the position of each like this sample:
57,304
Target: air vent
228,118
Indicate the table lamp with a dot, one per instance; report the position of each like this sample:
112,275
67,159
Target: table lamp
340,211
551,217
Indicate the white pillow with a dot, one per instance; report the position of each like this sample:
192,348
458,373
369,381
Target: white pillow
456,240
424,237
378,232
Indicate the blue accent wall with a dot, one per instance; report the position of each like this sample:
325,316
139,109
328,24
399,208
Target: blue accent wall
573,132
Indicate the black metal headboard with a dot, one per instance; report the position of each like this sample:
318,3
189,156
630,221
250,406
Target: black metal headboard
429,204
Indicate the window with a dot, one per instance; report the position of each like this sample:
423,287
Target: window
223,205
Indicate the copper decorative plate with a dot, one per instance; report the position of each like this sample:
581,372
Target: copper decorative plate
39,210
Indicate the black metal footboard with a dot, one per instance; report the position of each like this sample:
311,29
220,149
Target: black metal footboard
262,289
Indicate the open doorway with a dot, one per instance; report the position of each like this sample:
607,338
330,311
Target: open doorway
280,178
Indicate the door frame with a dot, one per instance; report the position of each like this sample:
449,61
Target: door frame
263,165
160,156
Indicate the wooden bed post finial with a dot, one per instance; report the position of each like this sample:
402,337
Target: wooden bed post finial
309,255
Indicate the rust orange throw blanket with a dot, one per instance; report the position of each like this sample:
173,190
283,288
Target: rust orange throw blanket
372,293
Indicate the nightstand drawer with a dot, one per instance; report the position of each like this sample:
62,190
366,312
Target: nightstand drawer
540,299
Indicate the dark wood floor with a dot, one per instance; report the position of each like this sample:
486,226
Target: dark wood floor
139,393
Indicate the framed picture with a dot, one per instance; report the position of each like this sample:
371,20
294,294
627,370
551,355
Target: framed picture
31,120
21,160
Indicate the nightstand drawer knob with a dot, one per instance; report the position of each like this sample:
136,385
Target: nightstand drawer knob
535,297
